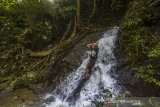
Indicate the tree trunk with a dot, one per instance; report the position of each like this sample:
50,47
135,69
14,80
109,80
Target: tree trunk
93,12
78,13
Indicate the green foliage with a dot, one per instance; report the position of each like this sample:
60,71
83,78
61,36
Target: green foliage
155,52
136,43
7,5
137,37
65,6
70,8
29,25
139,41
148,74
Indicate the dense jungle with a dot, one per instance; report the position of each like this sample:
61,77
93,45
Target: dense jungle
78,53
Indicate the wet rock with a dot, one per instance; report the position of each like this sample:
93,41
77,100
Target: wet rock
18,98
6,91
75,55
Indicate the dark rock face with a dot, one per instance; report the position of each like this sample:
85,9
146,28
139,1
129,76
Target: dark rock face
75,56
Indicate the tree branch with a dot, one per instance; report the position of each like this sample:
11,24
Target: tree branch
93,12
154,3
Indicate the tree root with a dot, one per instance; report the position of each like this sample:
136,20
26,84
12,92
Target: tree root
40,54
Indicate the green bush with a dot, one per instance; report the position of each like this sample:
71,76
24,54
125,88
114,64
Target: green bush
138,40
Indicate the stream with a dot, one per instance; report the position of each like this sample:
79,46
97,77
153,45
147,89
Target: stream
72,92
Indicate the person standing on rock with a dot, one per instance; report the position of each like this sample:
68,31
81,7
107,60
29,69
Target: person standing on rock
93,48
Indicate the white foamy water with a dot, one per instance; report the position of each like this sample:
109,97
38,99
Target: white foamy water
99,83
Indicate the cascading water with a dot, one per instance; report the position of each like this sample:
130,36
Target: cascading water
99,83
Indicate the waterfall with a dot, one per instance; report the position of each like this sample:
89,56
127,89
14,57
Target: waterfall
99,83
